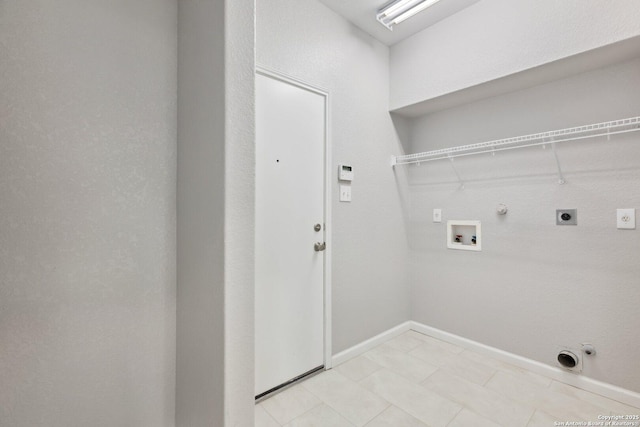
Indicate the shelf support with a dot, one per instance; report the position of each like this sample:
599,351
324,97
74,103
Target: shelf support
561,179
456,172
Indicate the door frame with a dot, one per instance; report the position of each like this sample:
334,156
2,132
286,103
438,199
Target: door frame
264,71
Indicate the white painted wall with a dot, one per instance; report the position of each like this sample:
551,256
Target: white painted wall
496,38
200,210
535,285
306,40
240,51
215,213
87,213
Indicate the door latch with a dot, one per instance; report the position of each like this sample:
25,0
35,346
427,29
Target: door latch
320,246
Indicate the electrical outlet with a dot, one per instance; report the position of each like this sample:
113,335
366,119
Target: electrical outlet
437,215
626,219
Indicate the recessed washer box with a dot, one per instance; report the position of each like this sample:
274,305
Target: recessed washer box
465,235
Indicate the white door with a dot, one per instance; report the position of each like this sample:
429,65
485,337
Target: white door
289,298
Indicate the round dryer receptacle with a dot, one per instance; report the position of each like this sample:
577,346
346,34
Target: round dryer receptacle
567,359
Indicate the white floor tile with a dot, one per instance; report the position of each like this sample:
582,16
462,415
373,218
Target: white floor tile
425,405
416,380
289,404
405,342
358,368
540,419
470,370
466,418
263,419
434,341
320,416
551,402
480,400
510,386
609,405
348,398
401,363
507,367
395,417
432,354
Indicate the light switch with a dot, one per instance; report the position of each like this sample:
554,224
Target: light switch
626,219
345,193
437,215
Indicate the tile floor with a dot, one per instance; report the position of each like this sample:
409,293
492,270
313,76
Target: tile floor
416,381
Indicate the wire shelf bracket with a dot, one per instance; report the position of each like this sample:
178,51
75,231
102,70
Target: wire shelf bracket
455,170
561,179
553,137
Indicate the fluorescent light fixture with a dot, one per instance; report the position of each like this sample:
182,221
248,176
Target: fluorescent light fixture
399,10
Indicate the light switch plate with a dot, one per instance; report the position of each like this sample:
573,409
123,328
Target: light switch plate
345,193
437,215
626,219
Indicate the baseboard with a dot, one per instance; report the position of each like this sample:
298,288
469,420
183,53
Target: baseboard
367,345
585,383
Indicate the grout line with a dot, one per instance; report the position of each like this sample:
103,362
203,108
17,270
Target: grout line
531,417
429,376
322,401
268,414
309,410
377,415
367,376
457,413
490,378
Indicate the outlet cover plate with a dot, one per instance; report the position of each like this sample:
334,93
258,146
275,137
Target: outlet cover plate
437,215
626,219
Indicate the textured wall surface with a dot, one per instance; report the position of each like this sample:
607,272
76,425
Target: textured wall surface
201,207
495,38
239,212
215,213
306,40
535,285
87,213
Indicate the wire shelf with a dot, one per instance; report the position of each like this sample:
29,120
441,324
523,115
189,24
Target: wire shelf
543,138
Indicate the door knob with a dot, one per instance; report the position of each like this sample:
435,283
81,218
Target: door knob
320,246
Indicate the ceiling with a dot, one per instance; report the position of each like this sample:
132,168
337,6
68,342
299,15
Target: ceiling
362,13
